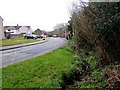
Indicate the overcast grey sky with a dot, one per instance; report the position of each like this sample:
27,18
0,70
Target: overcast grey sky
43,14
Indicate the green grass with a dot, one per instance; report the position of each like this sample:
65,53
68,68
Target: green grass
15,40
41,72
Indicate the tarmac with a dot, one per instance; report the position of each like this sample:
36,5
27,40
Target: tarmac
22,45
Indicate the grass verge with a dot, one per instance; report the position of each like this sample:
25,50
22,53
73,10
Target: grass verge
41,72
15,41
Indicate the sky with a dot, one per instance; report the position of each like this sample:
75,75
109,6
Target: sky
42,14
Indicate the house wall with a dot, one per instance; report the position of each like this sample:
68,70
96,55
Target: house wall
1,29
25,30
38,32
13,31
29,31
16,32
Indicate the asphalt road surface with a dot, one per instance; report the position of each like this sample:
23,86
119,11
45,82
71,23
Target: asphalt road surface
20,54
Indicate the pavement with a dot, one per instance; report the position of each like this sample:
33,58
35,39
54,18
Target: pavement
23,45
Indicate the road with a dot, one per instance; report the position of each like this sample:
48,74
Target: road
20,54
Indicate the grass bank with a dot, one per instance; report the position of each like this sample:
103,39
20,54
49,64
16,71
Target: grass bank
41,72
15,41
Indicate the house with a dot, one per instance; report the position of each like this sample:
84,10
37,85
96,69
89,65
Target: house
1,29
12,29
38,32
18,30
25,30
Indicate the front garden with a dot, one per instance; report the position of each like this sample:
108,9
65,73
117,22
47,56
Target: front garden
15,41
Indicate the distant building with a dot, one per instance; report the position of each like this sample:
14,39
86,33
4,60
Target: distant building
38,32
104,0
15,30
1,29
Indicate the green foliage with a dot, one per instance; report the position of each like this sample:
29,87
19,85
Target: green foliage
68,49
84,73
91,84
87,84
80,68
75,60
102,84
71,44
96,74
69,28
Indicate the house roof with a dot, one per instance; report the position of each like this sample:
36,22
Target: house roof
38,30
28,27
18,27
1,18
15,27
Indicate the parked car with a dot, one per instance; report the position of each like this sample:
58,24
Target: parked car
39,36
30,37
54,35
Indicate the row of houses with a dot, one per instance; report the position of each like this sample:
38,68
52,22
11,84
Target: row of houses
13,30
17,30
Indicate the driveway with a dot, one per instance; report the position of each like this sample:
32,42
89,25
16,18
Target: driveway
20,54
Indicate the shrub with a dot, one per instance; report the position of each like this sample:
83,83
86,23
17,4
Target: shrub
96,74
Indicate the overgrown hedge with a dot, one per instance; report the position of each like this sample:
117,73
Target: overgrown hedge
96,26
